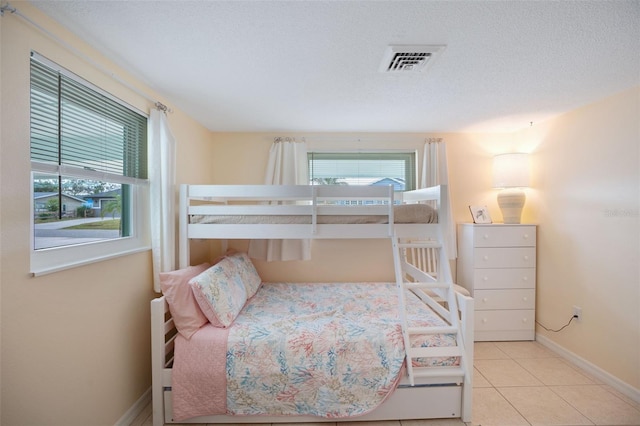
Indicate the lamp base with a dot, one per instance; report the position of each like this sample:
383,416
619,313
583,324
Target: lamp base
511,202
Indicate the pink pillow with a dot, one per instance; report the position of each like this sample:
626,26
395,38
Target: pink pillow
185,311
220,293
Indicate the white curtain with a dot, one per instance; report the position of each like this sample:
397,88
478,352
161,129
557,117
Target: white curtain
288,165
434,172
162,177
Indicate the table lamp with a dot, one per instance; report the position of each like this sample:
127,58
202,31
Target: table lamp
511,174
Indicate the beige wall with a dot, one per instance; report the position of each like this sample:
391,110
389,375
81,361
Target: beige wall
584,170
76,343
585,198
241,158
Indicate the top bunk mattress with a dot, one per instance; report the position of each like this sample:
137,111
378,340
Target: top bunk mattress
403,214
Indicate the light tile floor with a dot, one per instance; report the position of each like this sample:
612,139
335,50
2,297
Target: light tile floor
523,383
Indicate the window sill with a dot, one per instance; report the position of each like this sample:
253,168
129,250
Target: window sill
44,270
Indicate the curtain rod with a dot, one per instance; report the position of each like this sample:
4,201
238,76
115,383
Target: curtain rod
286,139
368,137
8,8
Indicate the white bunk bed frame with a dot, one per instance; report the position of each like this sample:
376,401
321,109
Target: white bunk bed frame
428,392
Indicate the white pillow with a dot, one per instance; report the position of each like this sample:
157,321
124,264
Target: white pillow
248,273
220,293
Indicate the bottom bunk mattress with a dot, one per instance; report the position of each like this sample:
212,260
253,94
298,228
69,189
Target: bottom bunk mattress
328,350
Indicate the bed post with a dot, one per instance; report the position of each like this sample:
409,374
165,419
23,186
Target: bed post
391,217
183,246
157,360
465,304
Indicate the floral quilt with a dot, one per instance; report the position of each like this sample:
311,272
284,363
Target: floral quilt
329,350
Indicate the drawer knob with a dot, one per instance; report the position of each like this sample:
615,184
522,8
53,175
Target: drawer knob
525,257
525,236
485,236
485,278
525,298
485,299
484,320
524,320
486,257
525,278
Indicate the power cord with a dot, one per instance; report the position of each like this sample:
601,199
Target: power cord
561,328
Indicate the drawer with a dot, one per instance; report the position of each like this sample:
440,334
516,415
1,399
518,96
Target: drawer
518,257
504,236
504,299
493,278
504,320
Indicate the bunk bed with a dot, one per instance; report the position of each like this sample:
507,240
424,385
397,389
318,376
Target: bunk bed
434,380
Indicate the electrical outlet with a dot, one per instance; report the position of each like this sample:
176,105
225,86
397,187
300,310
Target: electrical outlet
577,312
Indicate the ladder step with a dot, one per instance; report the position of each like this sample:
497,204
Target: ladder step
432,330
434,352
426,286
424,244
438,371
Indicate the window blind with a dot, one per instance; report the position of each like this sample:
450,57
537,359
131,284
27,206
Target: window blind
75,126
363,168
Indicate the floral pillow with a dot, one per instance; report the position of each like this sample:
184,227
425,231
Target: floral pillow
183,306
220,293
248,273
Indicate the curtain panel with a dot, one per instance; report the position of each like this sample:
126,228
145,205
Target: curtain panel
162,177
288,165
434,172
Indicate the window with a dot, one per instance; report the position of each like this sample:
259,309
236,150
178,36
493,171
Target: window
363,168
89,168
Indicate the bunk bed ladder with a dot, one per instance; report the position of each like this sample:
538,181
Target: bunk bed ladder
422,267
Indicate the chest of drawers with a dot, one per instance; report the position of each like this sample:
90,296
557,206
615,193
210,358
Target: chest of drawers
497,264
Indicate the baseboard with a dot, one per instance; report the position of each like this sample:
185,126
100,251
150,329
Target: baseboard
597,372
133,412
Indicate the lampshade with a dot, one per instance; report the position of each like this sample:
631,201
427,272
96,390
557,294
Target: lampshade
511,170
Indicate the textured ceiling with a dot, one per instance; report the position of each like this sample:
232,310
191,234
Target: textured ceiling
313,65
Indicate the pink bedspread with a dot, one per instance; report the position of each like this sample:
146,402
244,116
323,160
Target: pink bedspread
329,350
199,380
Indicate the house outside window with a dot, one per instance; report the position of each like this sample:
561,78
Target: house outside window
363,168
88,169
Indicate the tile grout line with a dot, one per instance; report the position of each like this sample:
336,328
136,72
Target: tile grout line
513,406
594,382
570,404
544,385
505,398
498,390
550,387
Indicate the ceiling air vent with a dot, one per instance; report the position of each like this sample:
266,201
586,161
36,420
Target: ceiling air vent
409,58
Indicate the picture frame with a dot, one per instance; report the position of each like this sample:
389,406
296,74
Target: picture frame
480,214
